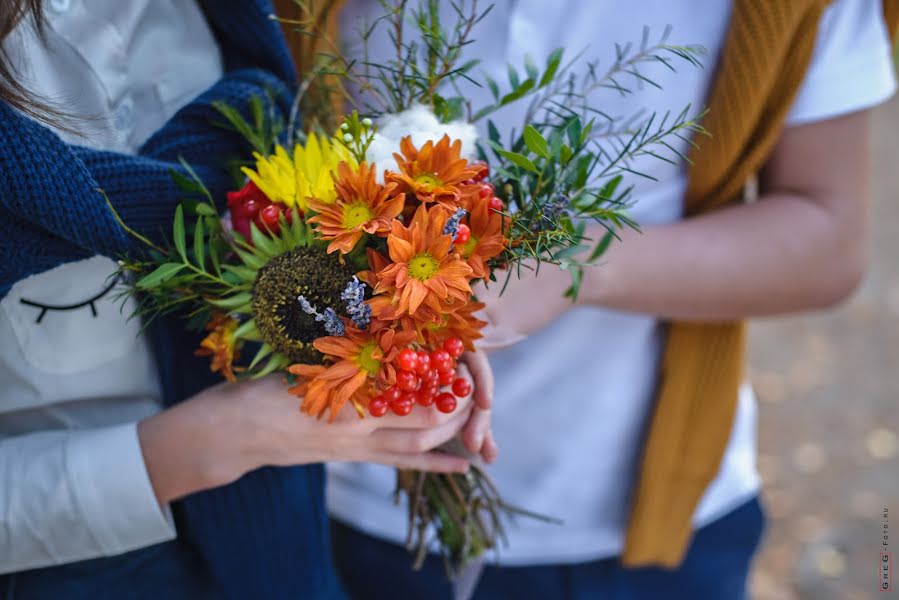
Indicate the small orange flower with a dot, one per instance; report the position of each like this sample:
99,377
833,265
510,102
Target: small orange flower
461,323
362,206
360,359
219,344
487,237
424,278
433,173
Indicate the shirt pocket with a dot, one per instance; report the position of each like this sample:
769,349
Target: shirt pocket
72,318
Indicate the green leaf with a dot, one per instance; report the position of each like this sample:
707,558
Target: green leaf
518,159
518,92
205,210
565,154
200,186
232,302
262,242
608,190
178,233
245,274
247,331
535,142
513,77
199,244
161,274
264,351
601,246
530,67
552,66
250,259
492,85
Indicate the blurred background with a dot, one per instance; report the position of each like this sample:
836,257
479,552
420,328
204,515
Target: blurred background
828,388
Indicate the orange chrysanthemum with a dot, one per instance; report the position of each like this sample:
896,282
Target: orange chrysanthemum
434,173
360,359
219,344
424,278
487,237
362,206
462,324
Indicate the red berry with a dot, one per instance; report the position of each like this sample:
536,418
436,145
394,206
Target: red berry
426,395
446,402
402,407
482,168
486,190
454,346
461,387
442,361
407,381
393,394
424,363
270,217
496,204
447,377
407,360
378,406
430,378
463,234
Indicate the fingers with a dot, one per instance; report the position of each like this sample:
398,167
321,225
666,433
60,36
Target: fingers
420,440
482,377
476,434
436,462
490,450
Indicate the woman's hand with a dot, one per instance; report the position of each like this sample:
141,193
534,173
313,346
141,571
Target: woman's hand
477,434
231,429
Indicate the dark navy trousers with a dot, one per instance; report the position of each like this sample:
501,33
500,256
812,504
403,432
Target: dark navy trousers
715,568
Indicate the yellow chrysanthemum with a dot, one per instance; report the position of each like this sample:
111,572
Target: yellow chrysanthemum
290,180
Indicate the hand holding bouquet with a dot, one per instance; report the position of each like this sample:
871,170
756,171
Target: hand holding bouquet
347,258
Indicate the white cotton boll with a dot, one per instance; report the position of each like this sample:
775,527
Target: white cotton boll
420,123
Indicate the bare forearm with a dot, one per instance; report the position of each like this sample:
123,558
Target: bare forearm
778,255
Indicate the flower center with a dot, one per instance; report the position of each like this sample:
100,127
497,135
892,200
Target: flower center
367,360
356,214
429,180
423,266
469,247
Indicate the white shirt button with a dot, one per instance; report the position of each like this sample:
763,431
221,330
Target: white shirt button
60,6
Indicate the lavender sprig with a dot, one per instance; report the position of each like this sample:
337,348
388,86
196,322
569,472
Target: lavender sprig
333,324
354,296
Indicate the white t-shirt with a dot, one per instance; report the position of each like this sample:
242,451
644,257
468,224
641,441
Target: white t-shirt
573,402
75,382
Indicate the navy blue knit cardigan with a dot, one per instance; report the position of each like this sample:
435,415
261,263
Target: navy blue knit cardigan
264,536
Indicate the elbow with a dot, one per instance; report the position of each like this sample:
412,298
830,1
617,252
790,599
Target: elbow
844,274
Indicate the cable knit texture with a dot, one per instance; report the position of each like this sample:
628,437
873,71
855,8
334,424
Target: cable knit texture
263,536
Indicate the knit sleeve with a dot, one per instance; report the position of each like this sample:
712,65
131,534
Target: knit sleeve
54,210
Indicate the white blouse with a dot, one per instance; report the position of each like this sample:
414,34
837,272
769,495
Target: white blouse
75,374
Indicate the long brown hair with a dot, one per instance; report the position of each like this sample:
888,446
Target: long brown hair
13,12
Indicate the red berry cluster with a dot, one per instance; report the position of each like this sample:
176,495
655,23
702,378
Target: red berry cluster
251,205
420,379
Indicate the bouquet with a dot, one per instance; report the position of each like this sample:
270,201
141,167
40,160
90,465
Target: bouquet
347,257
